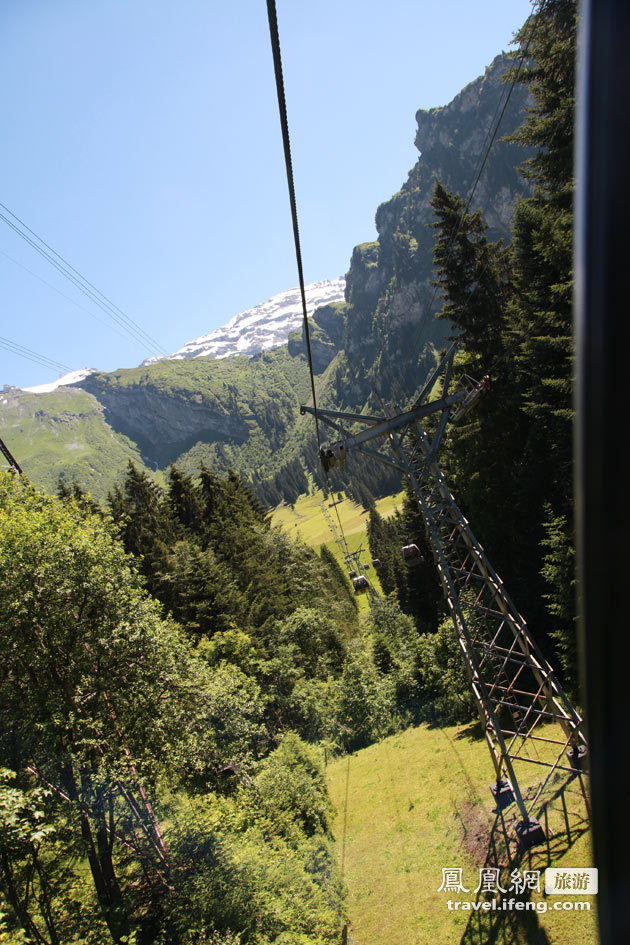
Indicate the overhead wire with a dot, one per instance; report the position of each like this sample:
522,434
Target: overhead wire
286,143
136,333
97,297
282,106
111,326
491,133
30,355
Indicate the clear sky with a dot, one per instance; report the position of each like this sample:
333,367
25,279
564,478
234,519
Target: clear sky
141,140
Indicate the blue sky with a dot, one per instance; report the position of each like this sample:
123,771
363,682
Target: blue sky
142,142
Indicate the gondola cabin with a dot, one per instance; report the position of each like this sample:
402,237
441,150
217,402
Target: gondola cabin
376,563
360,584
411,555
353,574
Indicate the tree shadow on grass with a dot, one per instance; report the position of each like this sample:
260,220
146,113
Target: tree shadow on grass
473,732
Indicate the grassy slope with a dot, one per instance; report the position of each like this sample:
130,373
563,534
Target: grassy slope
419,802
305,517
306,520
63,433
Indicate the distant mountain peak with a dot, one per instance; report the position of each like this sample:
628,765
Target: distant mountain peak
72,378
263,327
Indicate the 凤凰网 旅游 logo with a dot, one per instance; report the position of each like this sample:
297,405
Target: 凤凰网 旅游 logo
572,881
498,889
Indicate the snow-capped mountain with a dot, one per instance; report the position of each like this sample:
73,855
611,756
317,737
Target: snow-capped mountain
258,329
263,327
72,378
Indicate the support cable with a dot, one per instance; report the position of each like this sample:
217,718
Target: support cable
31,355
49,285
73,275
282,106
286,143
12,461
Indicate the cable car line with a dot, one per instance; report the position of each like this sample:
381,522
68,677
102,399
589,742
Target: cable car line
84,286
34,356
327,457
282,106
286,143
74,302
79,281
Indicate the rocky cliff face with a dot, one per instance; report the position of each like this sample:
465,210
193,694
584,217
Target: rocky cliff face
326,330
164,423
240,410
389,317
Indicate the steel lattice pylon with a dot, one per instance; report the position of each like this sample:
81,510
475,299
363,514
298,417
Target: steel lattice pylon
514,686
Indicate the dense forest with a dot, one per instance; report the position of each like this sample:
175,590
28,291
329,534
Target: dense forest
175,670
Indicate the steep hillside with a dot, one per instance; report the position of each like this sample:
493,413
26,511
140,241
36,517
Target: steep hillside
64,434
390,298
236,411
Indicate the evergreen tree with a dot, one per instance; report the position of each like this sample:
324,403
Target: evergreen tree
541,331
541,312
185,500
198,590
385,546
145,521
340,583
423,596
474,275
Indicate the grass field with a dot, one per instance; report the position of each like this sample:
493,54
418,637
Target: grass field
419,802
306,519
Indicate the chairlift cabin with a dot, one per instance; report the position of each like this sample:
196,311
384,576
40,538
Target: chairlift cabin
411,555
360,584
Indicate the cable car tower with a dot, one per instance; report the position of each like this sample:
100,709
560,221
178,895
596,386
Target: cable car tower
514,686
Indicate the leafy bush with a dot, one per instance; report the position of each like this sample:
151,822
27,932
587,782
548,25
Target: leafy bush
446,692
363,705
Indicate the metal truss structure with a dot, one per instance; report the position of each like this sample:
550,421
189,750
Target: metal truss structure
515,689
12,462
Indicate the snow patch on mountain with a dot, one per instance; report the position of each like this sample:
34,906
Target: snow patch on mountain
263,327
72,378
